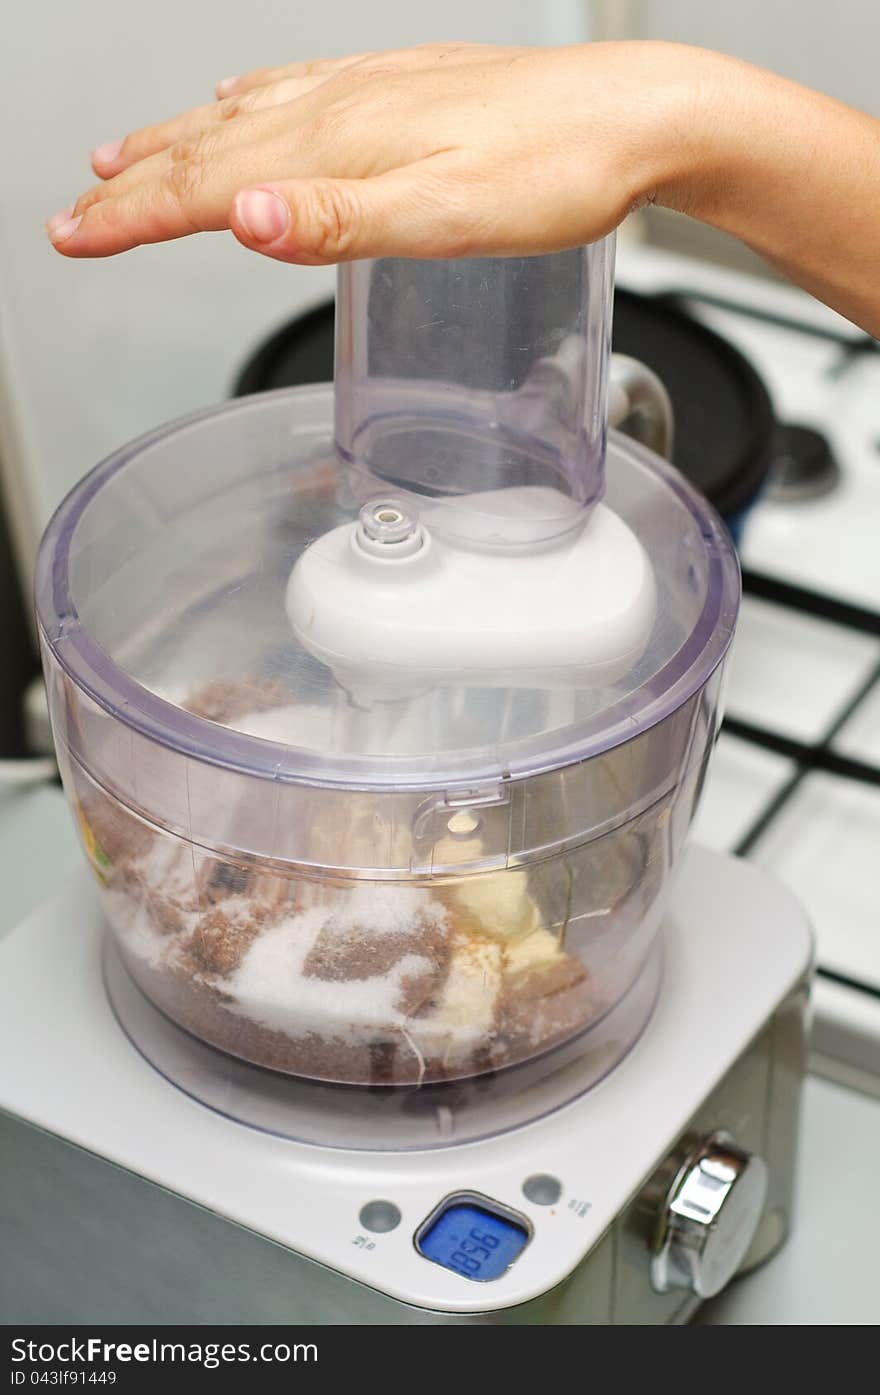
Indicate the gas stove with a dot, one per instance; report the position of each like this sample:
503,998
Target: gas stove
795,785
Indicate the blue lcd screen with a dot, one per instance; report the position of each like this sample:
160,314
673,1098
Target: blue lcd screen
472,1242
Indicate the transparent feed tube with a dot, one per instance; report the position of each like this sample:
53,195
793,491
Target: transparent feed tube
475,390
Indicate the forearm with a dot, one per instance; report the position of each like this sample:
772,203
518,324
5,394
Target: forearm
791,172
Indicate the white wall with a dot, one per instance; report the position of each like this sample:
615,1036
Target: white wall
832,45
94,353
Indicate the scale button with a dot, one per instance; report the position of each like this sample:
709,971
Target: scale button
379,1216
542,1189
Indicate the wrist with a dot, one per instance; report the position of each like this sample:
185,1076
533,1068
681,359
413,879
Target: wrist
703,111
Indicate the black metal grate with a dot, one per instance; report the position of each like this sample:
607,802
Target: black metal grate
820,755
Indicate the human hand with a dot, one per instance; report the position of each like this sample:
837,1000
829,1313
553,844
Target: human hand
437,151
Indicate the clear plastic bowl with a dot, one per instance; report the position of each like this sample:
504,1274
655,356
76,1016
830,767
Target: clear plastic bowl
450,887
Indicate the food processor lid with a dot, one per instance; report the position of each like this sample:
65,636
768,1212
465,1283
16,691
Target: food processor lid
161,586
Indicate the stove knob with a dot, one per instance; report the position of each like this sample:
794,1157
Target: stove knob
708,1219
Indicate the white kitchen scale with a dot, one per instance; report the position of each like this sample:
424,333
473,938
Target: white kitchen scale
126,1200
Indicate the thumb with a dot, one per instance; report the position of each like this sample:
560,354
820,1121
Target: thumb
316,222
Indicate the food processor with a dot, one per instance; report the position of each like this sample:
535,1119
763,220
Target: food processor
383,710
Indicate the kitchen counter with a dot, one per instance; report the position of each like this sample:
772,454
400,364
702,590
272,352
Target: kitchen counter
826,1273
38,850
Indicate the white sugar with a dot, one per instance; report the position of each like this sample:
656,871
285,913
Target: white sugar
379,908
271,988
168,867
133,919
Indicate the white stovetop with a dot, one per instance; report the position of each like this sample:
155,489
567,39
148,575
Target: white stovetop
826,1272
790,673
793,674
828,544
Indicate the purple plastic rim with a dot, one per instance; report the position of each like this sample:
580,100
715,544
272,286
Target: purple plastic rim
93,671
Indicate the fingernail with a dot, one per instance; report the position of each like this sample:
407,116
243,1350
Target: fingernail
108,153
58,218
64,230
225,86
263,215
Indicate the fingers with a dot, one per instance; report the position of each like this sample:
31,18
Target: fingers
439,207
185,197
267,87
416,211
312,221
114,157
217,146
325,152
190,187
417,56
318,68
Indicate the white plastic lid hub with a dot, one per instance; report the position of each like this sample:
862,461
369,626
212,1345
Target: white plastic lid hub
388,602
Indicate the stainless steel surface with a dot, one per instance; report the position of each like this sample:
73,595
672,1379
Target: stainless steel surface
709,1218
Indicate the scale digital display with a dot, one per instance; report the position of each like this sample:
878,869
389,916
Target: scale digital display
473,1242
